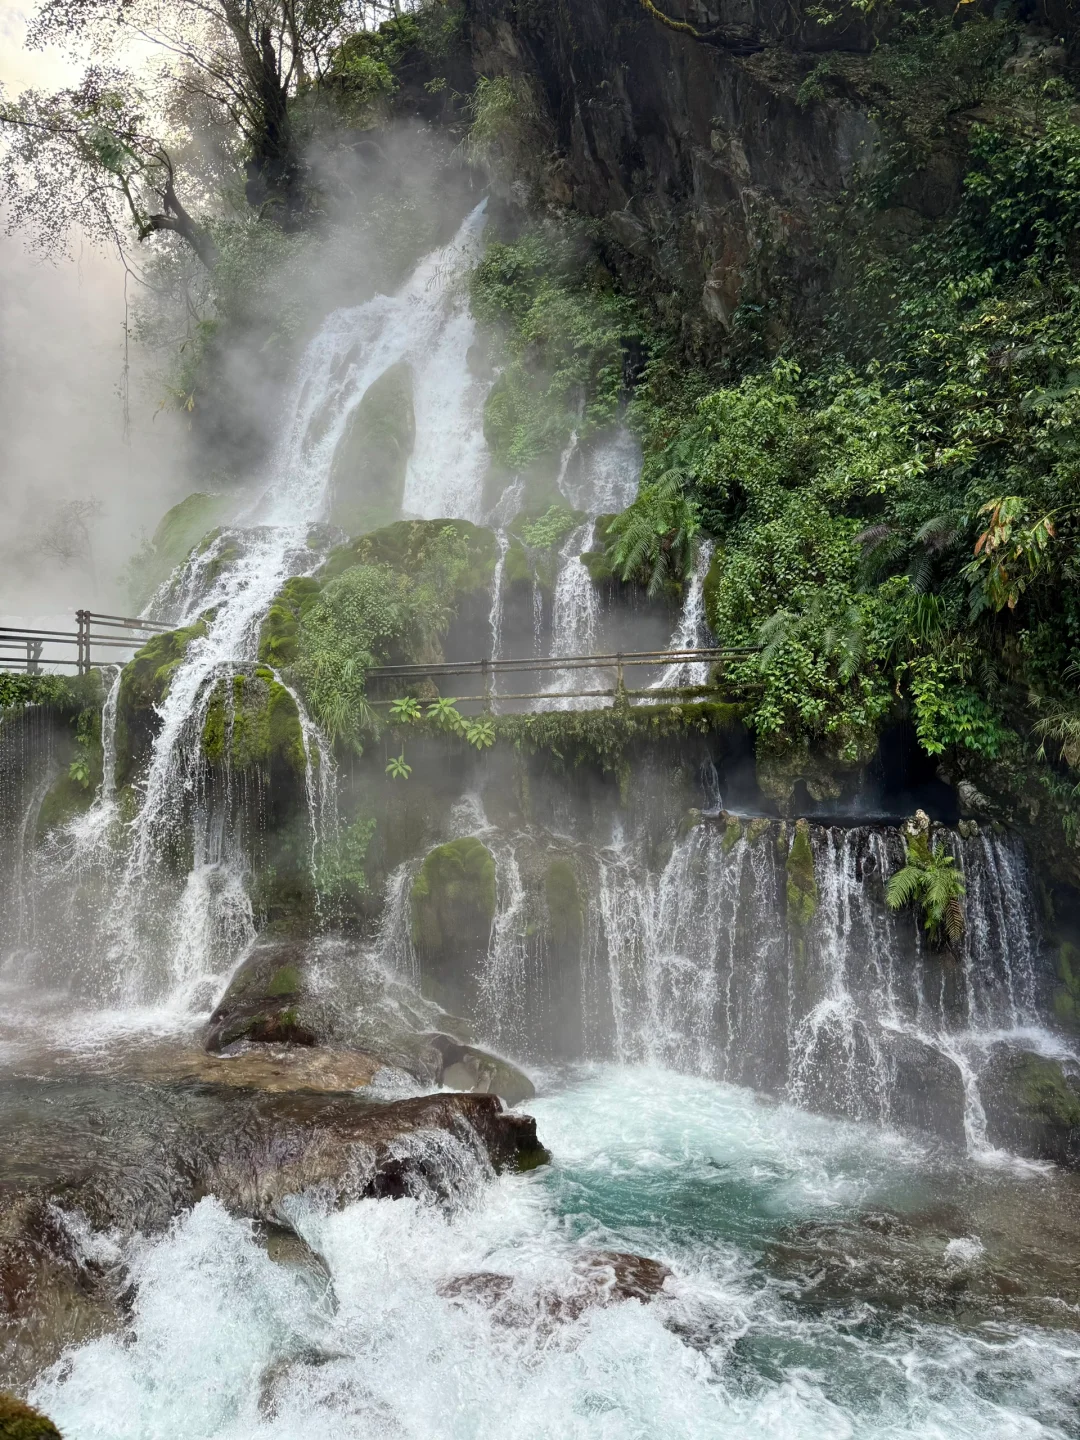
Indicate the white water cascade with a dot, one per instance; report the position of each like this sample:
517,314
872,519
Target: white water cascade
692,631
163,945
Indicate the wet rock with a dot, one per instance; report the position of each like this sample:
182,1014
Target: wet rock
1032,1104
20,1422
326,992
453,906
600,1277
367,477
464,1067
927,1090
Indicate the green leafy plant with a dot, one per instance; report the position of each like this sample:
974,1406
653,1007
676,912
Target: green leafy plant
397,769
480,733
405,710
444,713
931,881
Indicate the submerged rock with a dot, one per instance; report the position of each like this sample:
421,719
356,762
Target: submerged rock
599,1277
21,1422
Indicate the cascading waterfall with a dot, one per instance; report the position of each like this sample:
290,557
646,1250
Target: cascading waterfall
154,930
692,631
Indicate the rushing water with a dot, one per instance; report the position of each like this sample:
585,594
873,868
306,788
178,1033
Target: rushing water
224,1343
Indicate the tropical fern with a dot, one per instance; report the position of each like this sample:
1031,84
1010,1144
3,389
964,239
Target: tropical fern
653,541
930,880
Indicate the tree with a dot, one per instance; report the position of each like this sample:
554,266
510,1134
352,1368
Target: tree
90,155
104,154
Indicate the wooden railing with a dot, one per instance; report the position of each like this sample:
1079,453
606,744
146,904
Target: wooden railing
96,640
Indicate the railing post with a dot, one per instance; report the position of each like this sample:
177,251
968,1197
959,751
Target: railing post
82,621
485,670
621,701
33,656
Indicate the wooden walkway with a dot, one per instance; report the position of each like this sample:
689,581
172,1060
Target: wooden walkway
112,639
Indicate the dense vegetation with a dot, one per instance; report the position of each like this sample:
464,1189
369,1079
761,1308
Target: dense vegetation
893,489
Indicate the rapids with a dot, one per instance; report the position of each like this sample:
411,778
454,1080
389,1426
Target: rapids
361,1338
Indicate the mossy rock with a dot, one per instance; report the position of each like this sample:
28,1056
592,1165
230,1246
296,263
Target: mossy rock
802,891
453,898
1067,993
19,1421
253,722
565,906
277,639
756,829
733,832
179,532
404,546
1032,1104
144,684
517,567
367,476
64,799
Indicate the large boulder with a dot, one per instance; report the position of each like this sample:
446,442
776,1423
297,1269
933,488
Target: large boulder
21,1422
328,993
453,907
1032,1104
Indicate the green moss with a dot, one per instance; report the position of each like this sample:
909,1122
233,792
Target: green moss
64,799
732,835
181,529
1067,994
756,829
565,907
802,891
405,547
517,568
277,640
146,677
453,896
367,480
1044,1089
19,1422
252,721
285,981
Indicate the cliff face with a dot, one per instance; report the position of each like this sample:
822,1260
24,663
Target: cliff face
700,159
698,156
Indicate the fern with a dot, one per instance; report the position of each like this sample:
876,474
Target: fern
930,879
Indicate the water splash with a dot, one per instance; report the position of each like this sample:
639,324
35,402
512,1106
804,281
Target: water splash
692,631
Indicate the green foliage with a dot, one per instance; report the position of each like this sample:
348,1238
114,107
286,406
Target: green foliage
549,529
453,896
340,872
895,515
444,715
563,330
931,881
480,733
68,694
404,710
397,769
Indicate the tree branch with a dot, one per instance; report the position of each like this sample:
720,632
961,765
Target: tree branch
737,44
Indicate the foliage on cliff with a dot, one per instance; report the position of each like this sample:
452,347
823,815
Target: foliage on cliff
895,501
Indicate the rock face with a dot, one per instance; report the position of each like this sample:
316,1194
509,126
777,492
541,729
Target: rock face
325,993
367,480
453,906
1033,1104
698,158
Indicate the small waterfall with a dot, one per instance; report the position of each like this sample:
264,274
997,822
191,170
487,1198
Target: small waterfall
692,632
575,618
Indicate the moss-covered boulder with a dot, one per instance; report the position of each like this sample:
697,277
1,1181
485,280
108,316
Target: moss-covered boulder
252,721
802,891
278,637
19,1421
180,531
367,477
453,906
408,546
1032,1104
453,897
143,686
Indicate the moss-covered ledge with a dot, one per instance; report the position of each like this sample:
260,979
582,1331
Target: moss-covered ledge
253,721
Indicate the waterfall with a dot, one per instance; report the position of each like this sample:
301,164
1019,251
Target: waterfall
692,631
165,936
